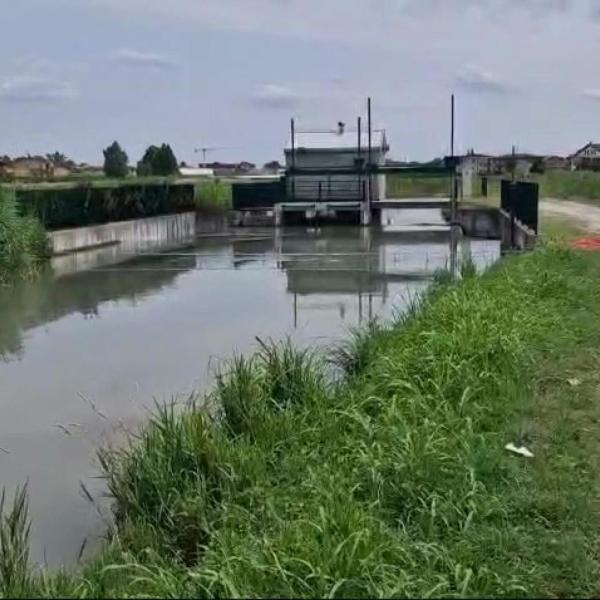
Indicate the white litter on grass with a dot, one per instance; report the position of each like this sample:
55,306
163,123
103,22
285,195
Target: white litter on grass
521,450
574,382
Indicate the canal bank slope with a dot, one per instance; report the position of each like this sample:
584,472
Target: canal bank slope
393,480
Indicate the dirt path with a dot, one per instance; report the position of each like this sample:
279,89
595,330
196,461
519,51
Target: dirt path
587,216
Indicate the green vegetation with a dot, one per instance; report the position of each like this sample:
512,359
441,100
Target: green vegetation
88,205
116,161
574,185
213,194
391,480
578,185
23,242
402,186
158,160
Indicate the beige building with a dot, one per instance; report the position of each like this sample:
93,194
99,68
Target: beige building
32,167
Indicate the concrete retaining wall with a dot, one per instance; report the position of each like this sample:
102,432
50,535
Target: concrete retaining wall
135,234
514,234
494,223
125,233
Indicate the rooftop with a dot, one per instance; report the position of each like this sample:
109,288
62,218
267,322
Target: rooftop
334,140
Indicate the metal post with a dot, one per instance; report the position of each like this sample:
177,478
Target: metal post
370,129
452,126
514,163
295,311
358,163
293,181
370,124
454,192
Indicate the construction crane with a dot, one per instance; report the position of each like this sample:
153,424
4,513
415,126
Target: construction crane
205,149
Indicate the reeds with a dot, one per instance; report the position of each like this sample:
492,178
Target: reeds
23,242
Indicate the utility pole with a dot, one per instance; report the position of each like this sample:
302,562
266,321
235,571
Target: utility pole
454,227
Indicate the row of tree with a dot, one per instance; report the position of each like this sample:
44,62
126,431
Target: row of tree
157,160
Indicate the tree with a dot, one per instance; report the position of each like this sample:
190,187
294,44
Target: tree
272,165
57,158
115,161
158,160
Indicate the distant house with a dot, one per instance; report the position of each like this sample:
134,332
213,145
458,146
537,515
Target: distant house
196,172
330,150
586,157
86,169
273,166
229,169
478,164
33,167
554,162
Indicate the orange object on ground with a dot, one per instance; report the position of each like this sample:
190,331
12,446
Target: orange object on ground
589,243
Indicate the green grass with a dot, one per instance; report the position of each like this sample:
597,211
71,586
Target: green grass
213,194
576,185
566,185
399,186
389,481
24,245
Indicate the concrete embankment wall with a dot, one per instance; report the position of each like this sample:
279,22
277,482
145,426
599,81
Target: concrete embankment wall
101,245
494,223
126,233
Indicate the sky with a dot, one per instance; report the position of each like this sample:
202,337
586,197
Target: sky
229,74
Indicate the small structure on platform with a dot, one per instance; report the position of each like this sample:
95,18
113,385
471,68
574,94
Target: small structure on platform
333,165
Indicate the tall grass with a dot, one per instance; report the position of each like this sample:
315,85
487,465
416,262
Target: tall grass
570,184
15,577
23,242
214,194
392,482
574,185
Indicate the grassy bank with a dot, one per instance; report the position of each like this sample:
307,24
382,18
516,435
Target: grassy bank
574,185
566,185
391,480
402,186
23,242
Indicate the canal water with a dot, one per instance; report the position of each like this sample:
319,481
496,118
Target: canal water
86,351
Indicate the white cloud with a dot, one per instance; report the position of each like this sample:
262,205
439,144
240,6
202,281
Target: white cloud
26,88
137,58
475,78
376,22
273,95
592,94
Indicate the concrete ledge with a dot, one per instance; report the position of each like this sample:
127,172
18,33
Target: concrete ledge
153,229
493,223
478,221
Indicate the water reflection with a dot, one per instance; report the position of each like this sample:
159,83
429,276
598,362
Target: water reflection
117,337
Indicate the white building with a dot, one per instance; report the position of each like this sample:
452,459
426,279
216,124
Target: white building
587,155
327,152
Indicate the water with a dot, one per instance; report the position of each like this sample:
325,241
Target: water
85,354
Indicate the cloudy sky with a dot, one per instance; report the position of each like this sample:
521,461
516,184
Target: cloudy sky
77,74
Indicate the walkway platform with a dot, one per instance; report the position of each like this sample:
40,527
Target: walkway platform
414,203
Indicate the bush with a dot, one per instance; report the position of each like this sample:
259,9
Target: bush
23,242
213,194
